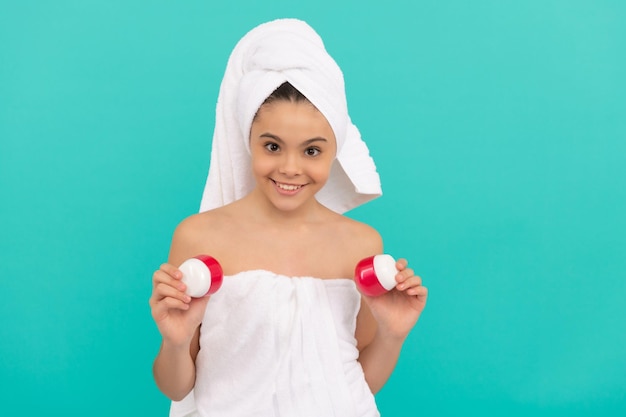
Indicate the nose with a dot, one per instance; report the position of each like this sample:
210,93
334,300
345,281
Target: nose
290,165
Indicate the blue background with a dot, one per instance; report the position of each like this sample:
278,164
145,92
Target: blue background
499,131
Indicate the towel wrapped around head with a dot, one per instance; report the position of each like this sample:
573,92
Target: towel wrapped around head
285,50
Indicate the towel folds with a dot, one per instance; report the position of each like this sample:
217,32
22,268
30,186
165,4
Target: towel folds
285,50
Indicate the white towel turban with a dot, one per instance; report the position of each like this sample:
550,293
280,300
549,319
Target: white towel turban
285,50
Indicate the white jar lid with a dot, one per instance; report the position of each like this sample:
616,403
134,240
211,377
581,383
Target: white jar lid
196,276
385,269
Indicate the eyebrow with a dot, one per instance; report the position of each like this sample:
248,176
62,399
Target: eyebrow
306,142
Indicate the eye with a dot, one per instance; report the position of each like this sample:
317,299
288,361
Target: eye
312,151
272,147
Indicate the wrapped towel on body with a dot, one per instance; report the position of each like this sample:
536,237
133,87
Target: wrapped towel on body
279,346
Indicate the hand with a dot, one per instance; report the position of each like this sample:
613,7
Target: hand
176,314
398,310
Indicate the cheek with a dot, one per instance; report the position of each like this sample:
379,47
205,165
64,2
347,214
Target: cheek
323,167
260,165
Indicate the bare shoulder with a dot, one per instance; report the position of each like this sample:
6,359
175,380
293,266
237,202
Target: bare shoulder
196,234
193,227
363,238
368,235
348,241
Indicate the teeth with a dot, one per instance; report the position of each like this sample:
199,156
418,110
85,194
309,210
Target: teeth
288,187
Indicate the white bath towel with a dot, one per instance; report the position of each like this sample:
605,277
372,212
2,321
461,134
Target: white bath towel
294,353
285,50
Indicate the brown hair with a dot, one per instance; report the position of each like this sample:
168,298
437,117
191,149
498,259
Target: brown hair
285,92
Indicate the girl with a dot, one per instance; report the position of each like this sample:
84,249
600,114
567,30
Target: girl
288,333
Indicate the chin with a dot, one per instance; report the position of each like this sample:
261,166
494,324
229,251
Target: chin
291,204
287,206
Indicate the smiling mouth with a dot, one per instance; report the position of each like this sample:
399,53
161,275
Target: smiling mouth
288,187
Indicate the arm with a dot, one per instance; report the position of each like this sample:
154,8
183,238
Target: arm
384,323
174,368
178,319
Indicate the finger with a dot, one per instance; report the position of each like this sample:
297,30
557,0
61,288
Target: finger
161,309
171,270
401,264
163,290
412,281
162,277
168,303
405,274
166,292
419,291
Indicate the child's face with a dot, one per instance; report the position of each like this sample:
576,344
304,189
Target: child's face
293,148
